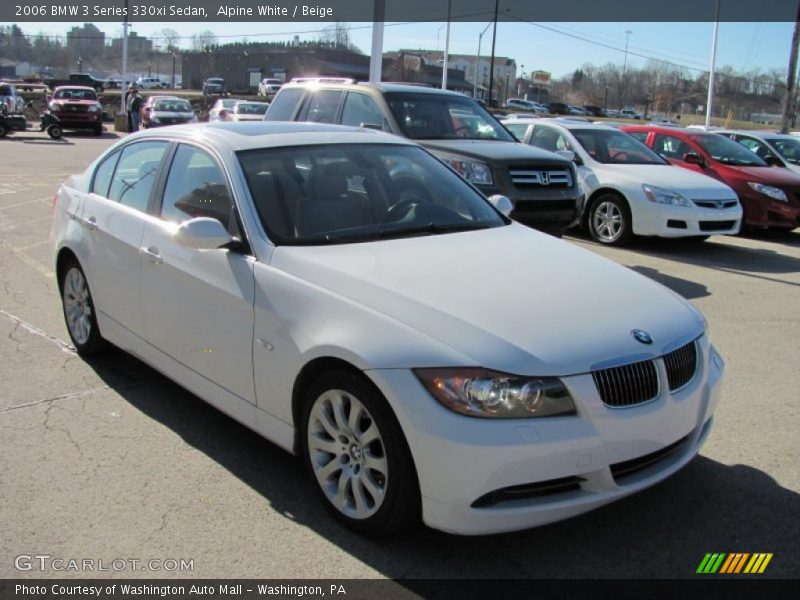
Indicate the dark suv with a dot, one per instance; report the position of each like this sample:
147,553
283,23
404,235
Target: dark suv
542,186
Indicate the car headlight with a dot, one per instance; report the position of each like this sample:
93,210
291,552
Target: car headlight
768,190
54,107
474,172
480,392
94,108
662,196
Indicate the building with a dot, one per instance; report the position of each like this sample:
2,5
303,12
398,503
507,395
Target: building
243,66
136,44
505,70
86,41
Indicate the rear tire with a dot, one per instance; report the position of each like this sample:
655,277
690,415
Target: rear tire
3,131
79,312
98,130
358,457
610,221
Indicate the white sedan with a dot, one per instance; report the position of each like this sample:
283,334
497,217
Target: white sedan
291,275
248,111
630,190
222,109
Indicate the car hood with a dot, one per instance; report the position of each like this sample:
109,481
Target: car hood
688,183
508,298
71,101
492,150
769,175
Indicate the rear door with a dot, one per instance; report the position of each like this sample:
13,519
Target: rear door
674,149
113,217
198,304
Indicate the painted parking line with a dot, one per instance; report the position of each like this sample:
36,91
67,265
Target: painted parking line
31,328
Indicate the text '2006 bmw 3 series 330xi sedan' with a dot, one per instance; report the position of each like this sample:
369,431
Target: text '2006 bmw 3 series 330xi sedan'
351,298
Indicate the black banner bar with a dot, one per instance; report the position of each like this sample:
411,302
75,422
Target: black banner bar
221,11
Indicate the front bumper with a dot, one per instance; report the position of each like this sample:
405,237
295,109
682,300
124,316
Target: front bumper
79,120
460,460
677,221
762,211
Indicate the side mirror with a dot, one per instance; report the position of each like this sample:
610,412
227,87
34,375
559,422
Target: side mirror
569,155
371,126
774,161
694,159
501,203
202,233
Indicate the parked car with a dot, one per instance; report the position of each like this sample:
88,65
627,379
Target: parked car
628,113
214,85
221,109
11,98
151,83
527,105
594,111
776,149
769,196
558,108
77,79
274,270
249,111
147,106
577,110
630,190
166,110
267,88
77,107
456,129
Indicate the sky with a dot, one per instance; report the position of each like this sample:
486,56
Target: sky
559,48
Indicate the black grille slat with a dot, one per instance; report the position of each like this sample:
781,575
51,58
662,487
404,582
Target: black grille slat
716,225
630,467
529,491
681,365
627,385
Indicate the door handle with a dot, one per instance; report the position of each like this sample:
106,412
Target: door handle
90,223
152,254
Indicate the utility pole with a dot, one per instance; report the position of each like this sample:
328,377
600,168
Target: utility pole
623,86
376,59
710,97
788,101
478,61
446,48
491,61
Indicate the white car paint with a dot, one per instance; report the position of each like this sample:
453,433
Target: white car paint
649,218
237,328
221,110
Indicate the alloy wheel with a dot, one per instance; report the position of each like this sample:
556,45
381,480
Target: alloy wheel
77,306
608,221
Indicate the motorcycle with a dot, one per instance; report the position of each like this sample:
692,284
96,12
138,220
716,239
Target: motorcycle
10,122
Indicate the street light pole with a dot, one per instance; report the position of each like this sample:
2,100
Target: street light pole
624,68
446,47
246,82
491,61
710,97
478,61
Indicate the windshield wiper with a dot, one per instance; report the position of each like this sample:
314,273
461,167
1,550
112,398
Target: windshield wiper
429,229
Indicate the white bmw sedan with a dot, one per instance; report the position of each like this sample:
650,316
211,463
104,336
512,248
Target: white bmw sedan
630,190
352,299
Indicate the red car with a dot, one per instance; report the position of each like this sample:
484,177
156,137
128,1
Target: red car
77,107
770,195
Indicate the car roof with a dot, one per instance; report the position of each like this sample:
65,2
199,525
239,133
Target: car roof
235,136
759,133
383,87
84,88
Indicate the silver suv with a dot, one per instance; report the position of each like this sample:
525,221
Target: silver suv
541,185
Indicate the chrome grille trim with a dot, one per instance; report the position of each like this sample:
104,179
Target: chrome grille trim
543,177
627,385
681,365
716,204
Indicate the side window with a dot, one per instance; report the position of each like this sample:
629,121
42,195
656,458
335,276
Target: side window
517,129
136,172
321,106
195,187
756,146
670,146
283,105
102,176
639,135
548,138
361,109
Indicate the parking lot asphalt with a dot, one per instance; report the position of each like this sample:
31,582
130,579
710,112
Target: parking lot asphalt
107,459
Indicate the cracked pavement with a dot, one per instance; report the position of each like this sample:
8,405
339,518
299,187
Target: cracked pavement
108,459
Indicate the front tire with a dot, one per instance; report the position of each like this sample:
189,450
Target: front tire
610,221
357,455
79,312
55,132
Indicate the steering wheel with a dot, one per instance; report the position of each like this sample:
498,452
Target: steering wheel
621,156
401,208
456,130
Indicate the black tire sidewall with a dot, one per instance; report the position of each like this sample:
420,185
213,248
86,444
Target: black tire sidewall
401,505
55,132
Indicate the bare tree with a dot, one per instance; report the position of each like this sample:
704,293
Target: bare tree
202,40
170,38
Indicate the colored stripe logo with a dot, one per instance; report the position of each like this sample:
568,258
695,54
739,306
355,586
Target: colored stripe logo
734,563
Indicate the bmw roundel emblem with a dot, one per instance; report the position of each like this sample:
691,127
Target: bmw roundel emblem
642,336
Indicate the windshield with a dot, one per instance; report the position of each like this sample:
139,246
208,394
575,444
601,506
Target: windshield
251,108
344,193
425,116
611,146
173,106
75,95
788,148
727,151
216,81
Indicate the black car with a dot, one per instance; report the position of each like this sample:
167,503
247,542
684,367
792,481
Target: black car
214,85
542,186
595,111
558,108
